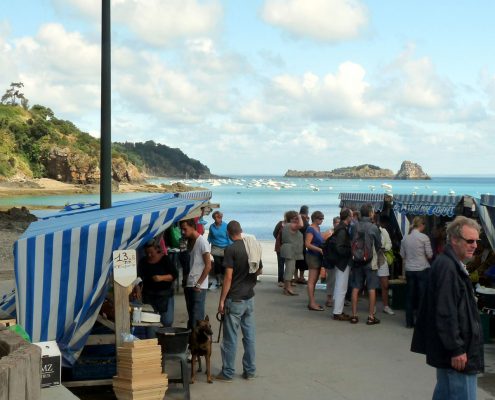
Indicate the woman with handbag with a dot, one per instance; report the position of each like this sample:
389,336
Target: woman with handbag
219,240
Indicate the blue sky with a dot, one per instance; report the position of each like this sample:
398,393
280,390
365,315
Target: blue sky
261,86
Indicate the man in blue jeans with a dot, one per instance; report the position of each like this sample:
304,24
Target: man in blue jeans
237,306
448,329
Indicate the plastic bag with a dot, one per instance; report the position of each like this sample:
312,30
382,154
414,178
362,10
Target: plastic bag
20,331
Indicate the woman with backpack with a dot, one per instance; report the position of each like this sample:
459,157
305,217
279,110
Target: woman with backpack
314,256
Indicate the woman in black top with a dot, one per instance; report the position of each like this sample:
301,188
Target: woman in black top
158,274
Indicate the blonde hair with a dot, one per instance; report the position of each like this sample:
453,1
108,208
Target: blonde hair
417,222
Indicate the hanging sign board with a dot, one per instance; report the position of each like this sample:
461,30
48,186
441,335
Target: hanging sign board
124,267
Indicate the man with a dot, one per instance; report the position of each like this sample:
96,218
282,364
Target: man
363,271
200,266
237,306
158,274
448,329
342,264
330,271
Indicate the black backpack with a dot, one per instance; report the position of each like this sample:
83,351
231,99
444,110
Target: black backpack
361,245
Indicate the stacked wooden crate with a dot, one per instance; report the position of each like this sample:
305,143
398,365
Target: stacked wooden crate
139,371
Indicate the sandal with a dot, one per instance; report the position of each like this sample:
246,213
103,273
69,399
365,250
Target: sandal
318,308
354,319
342,317
372,321
289,293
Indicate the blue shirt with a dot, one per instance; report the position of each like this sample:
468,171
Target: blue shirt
316,241
218,236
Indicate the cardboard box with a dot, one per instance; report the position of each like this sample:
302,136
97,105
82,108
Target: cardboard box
51,364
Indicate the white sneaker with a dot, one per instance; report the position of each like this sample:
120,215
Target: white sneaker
388,310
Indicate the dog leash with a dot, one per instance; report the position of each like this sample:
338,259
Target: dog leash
220,318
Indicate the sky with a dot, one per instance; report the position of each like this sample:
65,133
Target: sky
262,86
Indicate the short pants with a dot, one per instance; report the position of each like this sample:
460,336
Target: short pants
361,274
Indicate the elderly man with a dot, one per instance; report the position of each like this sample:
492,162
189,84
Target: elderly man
448,328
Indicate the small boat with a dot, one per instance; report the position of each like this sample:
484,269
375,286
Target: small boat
316,189
386,186
451,193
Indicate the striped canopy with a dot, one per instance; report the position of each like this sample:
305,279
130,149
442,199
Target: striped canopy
63,262
426,204
356,200
486,213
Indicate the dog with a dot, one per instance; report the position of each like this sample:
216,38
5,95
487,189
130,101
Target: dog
200,346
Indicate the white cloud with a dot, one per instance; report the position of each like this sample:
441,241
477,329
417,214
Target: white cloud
155,22
414,83
339,95
323,20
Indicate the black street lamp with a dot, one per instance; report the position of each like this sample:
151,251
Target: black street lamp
106,109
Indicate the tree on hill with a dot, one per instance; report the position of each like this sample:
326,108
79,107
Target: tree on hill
13,94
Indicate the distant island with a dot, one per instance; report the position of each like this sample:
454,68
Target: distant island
408,170
35,144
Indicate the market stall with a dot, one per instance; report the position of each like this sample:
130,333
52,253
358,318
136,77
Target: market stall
63,263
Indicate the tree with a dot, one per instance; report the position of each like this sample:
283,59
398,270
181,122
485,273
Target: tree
13,94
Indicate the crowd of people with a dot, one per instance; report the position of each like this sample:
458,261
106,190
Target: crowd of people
352,257
301,245
234,260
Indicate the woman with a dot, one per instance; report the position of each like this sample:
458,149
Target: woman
219,240
415,250
291,248
277,234
314,256
158,274
383,269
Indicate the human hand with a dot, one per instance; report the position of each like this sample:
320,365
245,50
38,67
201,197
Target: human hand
157,278
221,307
197,289
459,362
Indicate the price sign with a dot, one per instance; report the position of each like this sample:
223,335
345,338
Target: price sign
124,267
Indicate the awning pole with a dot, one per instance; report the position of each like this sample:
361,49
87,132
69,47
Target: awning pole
106,111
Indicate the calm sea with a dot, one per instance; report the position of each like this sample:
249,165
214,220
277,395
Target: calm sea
258,202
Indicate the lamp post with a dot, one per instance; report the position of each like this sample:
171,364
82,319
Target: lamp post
106,110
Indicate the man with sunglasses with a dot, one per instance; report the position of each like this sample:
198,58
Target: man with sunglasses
448,328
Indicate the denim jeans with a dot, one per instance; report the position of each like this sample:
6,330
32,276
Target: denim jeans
453,385
416,285
238,314
195,304
281,267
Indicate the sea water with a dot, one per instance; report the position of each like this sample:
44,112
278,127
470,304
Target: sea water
258,203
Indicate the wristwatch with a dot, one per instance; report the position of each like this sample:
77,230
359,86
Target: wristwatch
197,285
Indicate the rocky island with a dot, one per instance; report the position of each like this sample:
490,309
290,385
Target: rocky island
408,170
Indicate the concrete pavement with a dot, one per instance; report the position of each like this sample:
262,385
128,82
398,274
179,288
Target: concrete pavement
303,354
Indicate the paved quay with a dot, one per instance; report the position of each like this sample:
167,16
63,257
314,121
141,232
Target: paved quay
303,354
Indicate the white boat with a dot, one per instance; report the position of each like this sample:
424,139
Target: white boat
451,193
386,186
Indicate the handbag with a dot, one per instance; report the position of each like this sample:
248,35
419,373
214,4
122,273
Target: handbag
217,251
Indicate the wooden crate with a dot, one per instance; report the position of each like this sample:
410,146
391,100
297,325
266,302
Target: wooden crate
139,371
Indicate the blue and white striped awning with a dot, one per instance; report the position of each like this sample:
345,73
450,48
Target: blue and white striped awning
63,263
356,200
487,200
426,204
487,217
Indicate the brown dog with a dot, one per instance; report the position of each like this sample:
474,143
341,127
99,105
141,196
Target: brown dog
200,345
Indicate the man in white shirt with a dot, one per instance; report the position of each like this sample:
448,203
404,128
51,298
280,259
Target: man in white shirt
200,266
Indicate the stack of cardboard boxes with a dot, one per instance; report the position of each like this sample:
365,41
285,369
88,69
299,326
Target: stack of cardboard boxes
139,371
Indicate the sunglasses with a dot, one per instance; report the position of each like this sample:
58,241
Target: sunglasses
470,241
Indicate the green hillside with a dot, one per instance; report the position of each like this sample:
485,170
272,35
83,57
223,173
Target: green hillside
34,143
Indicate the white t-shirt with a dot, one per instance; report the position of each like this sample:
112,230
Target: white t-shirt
197,264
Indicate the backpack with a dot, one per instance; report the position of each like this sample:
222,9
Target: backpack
361,246
173,237
330,255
